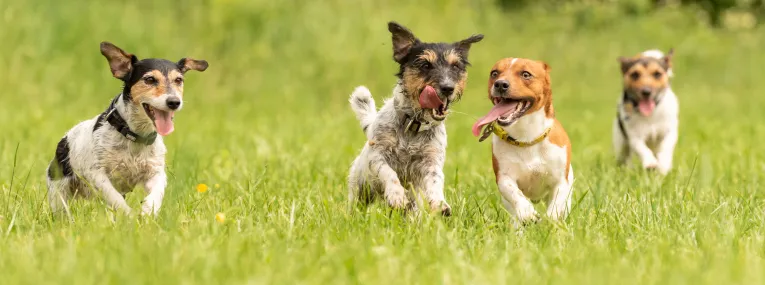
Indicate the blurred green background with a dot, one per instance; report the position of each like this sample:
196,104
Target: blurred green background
268,128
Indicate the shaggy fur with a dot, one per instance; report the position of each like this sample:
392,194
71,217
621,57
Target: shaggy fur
94,159
652,137
406,143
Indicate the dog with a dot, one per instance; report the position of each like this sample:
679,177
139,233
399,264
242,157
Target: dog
646,122
109,155
406,138
531,152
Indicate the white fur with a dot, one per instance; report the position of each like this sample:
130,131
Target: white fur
394,159
651,138
532,173
108,165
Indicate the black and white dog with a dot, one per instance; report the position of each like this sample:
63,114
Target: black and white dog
109,155
406,138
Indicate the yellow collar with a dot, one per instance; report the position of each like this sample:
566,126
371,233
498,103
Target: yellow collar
502,134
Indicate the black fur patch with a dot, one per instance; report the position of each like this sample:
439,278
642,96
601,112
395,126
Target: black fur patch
644,61
102,117
60,166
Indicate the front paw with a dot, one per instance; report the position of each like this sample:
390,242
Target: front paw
650,163
396,198
526,214
441,206
149,209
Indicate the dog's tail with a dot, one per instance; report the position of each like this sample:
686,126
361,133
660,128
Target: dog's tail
363,105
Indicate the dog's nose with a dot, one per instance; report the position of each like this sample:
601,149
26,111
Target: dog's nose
447,90
173,103
501,85
646,91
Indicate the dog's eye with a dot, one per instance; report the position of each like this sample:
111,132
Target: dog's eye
657,75
494,74
427,65
150,80
526,75
634,75
179,81
456,67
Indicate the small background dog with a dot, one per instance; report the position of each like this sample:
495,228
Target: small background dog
531,152
647,114
407,138
119,149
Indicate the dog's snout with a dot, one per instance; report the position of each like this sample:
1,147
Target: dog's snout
447,90
646,91
173,103
501,85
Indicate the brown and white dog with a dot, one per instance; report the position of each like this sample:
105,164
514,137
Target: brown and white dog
646,121
531,152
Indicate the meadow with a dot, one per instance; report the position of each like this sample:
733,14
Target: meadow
268,130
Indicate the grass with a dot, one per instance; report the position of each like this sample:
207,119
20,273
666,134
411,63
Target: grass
267,127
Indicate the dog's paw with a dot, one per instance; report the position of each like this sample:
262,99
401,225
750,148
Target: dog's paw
441,206
526,214
396,198
650,164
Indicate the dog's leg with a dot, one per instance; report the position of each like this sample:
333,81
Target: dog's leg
359,189
395,193
433,182
621,147
665,151
646,155
559,203
156,188
516,203
59,194
112,197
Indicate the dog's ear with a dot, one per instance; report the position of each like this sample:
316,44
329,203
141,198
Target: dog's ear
186,64
403,40
546,66
626,63
463,46
667,59
120,62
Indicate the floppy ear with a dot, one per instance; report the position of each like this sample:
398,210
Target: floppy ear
403,40
120,62
463,46
186,64
626,63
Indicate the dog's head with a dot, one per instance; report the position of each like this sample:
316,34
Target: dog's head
645,76
517,86
156,85
433,74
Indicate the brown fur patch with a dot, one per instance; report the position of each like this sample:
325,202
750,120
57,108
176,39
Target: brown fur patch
495,166
559,137
538,86
429,55
452,57
143,89
413,83
645,74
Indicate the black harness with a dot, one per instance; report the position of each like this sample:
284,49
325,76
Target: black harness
113,118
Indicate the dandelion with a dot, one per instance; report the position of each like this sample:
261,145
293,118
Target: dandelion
201,188
217,185
220,217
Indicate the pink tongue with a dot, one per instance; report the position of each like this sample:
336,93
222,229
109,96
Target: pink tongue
646,107
164,122
495,112
429,98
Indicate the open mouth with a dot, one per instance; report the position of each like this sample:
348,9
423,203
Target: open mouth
512,108
429,99
163,120
505,112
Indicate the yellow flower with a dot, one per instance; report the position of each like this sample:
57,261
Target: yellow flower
201,188
220,217
217,185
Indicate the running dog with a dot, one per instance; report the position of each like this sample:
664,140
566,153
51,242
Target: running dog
531,152
406,138
646,122
109,155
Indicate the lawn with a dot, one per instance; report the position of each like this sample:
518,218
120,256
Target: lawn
269,130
